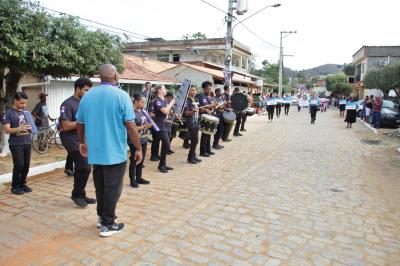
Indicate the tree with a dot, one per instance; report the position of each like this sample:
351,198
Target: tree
385,79
337,84
301,77
349,69
40,44
195,36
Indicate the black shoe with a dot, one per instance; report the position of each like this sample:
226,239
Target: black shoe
186,146
204,155
90,200
171,151
17,191
163,169
142,181
69,172
197,159
237,134
211,152
244,130
81,202
226,140
218,147
109,230
169,168
26,189
133,183
154,159
192,161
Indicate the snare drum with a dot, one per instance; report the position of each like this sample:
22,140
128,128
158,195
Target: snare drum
208,124
250,111
229,117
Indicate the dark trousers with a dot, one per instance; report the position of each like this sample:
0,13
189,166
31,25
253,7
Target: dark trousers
155,145
108,181
81,174
220,131
278,108
205,143
287,107
21,155
298,108
376,118
238,122
244,118
313,112
270,110
69,164
193,134
135,170
163,137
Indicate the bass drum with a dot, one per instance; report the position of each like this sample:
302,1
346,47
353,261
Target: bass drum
229,117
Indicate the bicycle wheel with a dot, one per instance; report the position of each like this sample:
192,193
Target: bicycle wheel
40,143
57,140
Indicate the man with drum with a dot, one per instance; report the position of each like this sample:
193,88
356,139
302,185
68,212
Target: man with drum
220,99
206,104
239,116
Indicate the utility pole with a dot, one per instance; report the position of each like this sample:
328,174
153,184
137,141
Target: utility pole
229,45
281,58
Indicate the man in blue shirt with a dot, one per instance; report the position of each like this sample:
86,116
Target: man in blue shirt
104,117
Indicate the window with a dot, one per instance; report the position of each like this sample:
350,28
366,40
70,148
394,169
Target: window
163,57
362,68
176,58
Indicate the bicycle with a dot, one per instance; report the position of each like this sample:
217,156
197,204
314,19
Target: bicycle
46,136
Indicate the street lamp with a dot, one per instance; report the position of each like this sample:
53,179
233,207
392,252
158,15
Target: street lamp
262,9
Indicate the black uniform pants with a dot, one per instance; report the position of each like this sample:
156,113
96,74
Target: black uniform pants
81,174
313,112
287,107
155,145
220,131
21,155
278,108
69,164
135,170
244,118
205,143
270,110
108,181
238,122
193,135
163,137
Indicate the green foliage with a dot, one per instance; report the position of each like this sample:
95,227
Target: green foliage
349,69
337,84
270,73
301,77
37,43
386,78
195,36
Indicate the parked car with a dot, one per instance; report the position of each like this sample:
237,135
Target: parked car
390,114
360,107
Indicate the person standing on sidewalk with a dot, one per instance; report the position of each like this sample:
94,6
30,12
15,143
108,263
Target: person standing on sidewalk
191,114
161,109
104,118
143,125
41,112
351,112
70,140
19,124
376,112
368,109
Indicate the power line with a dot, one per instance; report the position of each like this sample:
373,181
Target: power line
143,37
217,8
260,38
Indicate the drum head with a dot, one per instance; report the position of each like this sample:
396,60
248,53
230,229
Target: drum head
229,116
239,101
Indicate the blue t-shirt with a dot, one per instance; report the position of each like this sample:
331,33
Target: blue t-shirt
103,111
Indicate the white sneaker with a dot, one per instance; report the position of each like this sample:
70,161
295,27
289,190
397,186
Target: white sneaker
111,229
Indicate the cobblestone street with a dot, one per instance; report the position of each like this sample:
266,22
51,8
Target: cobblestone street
287,193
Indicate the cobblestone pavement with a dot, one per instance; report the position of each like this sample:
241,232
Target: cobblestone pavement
288,193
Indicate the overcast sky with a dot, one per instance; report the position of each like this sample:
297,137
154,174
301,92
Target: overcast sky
329,31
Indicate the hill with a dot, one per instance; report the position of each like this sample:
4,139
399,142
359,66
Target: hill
323,70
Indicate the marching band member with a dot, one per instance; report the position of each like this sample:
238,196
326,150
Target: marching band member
206,105
219,97
171,126
244,115
278,106
227,97
351,112
142,125
287,100
314,103
191,113
342,106
270,105
161,110
239,116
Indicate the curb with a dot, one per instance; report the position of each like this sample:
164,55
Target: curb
368,126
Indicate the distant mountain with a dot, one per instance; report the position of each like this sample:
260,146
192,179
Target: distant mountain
323,70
